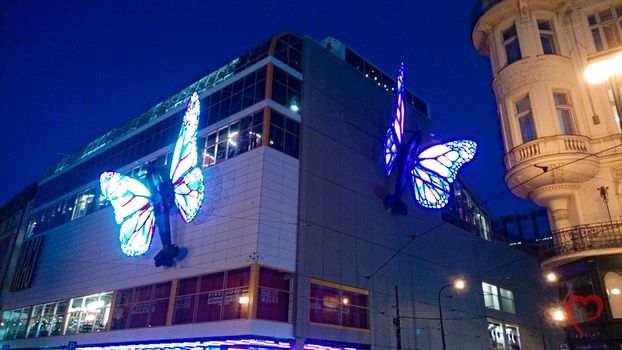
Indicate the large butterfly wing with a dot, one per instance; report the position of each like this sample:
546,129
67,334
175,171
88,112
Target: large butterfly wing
186,175
395,132
131,201
436,168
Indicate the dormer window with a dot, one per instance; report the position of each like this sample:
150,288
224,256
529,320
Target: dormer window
511,44
606,27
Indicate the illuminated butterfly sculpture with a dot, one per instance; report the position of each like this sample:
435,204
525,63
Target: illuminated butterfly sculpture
140,207
431,171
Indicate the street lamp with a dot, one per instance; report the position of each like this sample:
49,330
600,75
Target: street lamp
600,71
557,316
458,284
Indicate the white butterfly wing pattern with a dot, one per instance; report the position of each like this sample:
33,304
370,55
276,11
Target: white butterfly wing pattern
436,168
186,176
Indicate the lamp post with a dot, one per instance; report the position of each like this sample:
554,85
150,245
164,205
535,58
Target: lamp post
458,284
556,316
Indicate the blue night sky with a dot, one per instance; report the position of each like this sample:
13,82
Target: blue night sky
70,71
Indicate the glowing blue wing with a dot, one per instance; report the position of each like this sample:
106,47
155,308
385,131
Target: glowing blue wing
131,201
436,168
186,175
395,132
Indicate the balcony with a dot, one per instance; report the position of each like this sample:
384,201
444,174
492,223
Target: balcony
552,145
583,238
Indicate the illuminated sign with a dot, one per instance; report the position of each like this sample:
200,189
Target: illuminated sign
583,300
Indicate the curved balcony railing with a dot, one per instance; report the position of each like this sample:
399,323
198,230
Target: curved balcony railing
481,8
582,238
551,145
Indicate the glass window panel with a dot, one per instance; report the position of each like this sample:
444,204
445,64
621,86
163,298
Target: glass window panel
245,123
158,313
120,317
238,277
277,138
260,91
209,157
210,305
352,298
548,46
280,75
187,286
491,296
565,122
292,126
497,337
523,105
507,300
354,316
273,305
605,15
162,290
513,337
513,51
274,279
6,326
279,93
139,313
612,36
143,293
184,309
57,320
223,111
234,306
277,119
509,33
613,285
292,145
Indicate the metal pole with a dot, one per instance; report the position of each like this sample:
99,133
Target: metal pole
440,312
396,321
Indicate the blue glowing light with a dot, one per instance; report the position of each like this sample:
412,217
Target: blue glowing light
431,171
393,137
139,208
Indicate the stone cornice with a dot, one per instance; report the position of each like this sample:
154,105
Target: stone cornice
541,69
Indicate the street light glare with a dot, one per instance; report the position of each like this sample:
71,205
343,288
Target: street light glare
558,315
551,277
598,72
459,284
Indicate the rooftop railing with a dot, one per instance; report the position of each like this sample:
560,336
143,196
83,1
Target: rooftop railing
584,237
481,8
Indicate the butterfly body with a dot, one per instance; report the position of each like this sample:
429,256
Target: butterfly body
140,207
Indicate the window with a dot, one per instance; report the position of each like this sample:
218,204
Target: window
511,44
547,37
46,319
525,120
213,297
231,140
338,305
284,134
498,298
144,306
88,314
13,324
503,336
564,115
613,283
606,26
274,295
614,108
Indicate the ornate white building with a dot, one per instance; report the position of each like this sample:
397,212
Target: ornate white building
557,77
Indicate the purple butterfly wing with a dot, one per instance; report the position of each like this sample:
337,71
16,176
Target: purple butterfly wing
395,132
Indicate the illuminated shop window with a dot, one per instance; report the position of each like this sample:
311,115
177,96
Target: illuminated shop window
525,120
144,306
338,305
46,319
547,37
13,324
88,314
613,284
503,335
498,298
466,212
564,113
274,295
511,44
83,204
583,286
606,26
213,297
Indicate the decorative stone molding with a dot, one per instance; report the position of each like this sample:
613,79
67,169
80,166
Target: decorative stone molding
554,187
557,171
616,173
533,70
525,15
559,214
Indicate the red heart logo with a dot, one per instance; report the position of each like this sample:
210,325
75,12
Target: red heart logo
584,301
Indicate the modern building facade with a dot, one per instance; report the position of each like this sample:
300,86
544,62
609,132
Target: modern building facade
557,80
292,248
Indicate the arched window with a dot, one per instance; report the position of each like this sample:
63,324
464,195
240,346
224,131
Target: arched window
613,283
